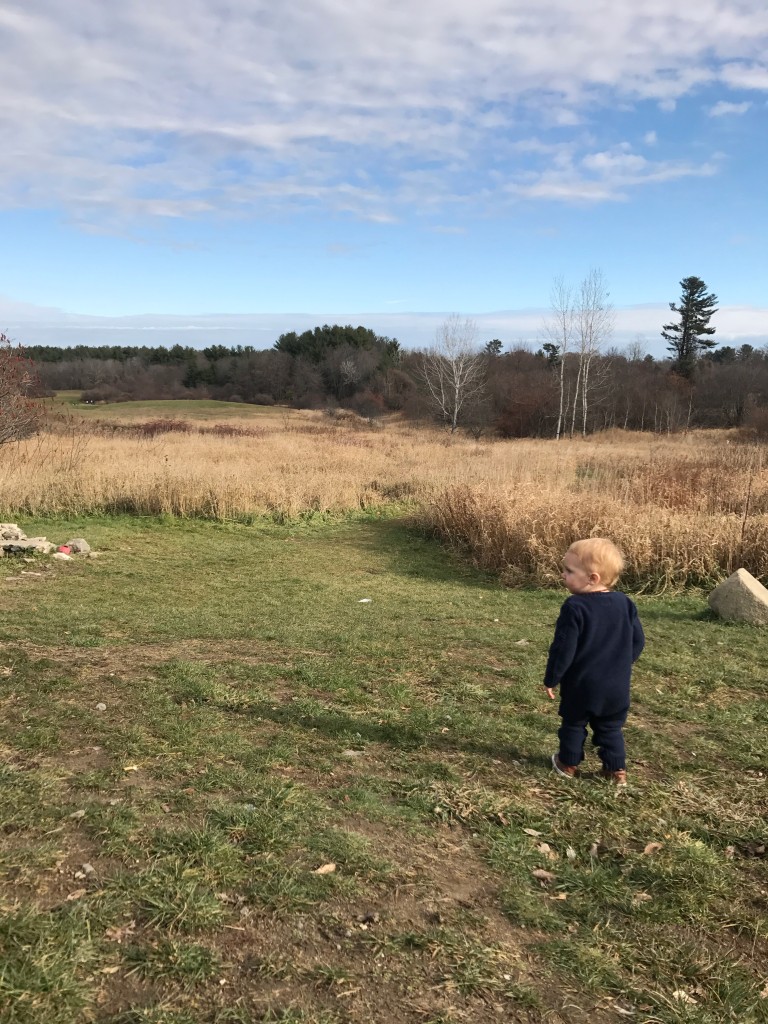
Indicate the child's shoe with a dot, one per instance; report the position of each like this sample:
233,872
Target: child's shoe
617,777
568,771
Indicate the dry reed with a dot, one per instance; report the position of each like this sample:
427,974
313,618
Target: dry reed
686,510
522,535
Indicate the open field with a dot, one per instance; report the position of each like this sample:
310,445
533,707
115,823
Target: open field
687,510
261,723
194,409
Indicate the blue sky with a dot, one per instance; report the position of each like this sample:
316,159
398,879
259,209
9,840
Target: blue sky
383,163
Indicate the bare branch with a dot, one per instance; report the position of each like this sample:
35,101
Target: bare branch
453,371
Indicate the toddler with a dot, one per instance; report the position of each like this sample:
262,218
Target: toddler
598,637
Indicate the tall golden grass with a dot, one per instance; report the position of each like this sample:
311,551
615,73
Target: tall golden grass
686,510
684,513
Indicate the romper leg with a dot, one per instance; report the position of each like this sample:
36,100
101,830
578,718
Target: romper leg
609,740
572,735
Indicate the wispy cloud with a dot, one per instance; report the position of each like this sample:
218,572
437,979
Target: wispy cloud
185,108
726,109
603,176
745,76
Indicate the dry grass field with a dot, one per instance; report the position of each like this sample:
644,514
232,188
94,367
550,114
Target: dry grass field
686,509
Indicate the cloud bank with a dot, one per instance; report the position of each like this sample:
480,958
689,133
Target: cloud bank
32,325
189,108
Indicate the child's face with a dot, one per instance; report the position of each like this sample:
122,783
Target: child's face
576,578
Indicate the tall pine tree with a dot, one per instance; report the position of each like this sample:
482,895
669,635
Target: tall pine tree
692,335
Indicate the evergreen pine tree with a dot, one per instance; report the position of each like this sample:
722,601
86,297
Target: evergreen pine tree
692,335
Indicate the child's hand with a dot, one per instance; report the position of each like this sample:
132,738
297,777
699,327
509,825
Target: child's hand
550,692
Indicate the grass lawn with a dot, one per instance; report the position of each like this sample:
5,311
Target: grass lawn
320,792
179,408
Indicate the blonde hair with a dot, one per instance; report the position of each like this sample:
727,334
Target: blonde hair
600,555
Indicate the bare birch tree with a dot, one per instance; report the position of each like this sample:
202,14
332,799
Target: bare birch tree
559,329
453,371
595,321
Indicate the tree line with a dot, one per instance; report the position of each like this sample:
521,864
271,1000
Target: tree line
574,382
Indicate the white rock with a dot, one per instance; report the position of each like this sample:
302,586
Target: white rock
741,598
10,531
61,557
79,546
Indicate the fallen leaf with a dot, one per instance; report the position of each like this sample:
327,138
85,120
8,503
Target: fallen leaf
642,897
77,894
542,875
531,832
729,852
560,896
594,849
682,996
76,815
108,970
547,850
652,848
764,993
118,934
131,768
326,869
570,853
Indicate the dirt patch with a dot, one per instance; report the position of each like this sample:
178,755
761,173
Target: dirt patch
126,659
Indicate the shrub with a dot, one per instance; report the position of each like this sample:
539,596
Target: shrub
104,393
232,430
151,428
20,414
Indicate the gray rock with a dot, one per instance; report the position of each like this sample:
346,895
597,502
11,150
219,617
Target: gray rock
741,598
16,547
41,544
10,531
79,546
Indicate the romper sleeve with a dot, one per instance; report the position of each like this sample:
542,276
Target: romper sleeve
563,648
638,636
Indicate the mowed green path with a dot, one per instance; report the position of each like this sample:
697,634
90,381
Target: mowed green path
195,410
262,723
